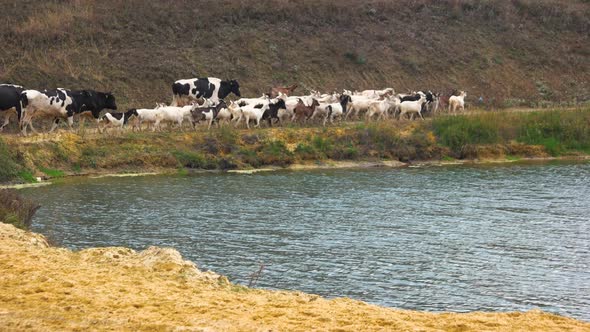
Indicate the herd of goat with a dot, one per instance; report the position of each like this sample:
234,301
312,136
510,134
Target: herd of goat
202,100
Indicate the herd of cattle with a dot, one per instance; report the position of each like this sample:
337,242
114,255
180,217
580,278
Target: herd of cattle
202,100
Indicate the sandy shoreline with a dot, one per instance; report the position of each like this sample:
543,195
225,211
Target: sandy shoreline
54,289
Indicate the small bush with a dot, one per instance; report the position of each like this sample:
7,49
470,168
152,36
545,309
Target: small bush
16,209
27,176
54,173
322,145
276,153
190,159
557,131
9,169
250,157
306,152
355,58
458,131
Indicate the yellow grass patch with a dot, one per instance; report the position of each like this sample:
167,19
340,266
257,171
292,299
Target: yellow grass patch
53,289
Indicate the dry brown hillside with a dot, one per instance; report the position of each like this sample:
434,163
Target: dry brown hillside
526,49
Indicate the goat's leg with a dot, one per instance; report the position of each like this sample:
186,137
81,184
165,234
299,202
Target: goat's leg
54,125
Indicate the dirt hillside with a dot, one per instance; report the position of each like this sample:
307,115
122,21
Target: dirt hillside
510,52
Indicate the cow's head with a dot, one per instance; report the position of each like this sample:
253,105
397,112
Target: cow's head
110,102
235,87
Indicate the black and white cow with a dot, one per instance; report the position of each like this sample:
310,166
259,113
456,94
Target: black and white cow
55,103
10,100
62,104
184,91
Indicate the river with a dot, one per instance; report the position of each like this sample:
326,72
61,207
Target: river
451,238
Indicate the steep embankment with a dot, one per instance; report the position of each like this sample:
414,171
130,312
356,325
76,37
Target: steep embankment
506,51
52,289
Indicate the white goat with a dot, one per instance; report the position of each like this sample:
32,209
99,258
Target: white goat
412,107
457,102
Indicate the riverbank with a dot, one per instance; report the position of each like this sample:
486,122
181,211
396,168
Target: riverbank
481,137
46,288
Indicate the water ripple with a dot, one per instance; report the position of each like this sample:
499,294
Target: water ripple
432,238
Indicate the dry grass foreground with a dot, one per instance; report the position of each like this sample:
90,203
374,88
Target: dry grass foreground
54,289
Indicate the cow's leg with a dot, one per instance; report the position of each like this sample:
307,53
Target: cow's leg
6,120
31,125
97,123
82,120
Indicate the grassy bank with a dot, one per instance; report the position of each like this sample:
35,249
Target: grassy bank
554,133
100,289
477,136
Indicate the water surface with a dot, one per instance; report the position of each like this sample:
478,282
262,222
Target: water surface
492,238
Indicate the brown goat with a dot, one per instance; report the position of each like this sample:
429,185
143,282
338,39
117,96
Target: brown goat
303,112
274,92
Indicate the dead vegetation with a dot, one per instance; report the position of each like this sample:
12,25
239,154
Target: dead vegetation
502,50
54,289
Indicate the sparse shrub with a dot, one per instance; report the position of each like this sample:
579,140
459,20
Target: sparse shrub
276,153
227,163
514,102
9,169
211,145
306,152
249,157
250,138
355,58
380,138
27,176
54,173
459,131
322,145
16,209
557,131
544,90
191,159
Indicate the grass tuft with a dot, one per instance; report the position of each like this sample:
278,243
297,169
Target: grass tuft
16,209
